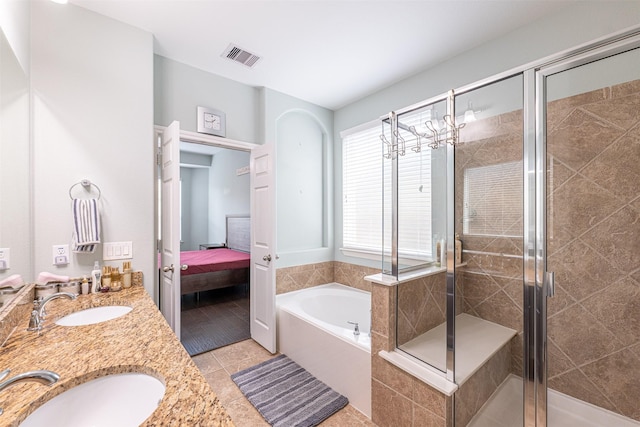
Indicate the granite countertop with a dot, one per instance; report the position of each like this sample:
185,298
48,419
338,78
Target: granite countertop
140,341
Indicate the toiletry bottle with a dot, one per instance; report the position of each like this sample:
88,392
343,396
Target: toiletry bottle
96,278
458,250
84,286
106,279
126,274
438,254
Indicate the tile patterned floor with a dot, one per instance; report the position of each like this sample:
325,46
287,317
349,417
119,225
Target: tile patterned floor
218,365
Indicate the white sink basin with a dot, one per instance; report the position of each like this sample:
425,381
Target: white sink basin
94,315
113,400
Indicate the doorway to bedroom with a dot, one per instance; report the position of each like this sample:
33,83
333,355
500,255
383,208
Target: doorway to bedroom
215,244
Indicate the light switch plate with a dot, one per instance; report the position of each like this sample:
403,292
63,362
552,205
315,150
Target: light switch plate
5,258
117,250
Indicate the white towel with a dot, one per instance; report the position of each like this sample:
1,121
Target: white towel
86,225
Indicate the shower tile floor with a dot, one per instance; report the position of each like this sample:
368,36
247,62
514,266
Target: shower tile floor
218,365
504,409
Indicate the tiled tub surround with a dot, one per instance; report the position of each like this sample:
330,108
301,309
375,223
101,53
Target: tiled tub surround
593,244
140,341
305,276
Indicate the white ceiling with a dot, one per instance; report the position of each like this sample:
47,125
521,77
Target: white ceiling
327,52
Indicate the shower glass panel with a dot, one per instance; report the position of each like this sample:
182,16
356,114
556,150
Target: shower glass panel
422,210
593,241
489,215
420,181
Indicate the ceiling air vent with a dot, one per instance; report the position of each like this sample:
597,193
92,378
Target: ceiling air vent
240,55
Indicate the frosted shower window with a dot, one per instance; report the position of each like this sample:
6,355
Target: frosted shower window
362,190
492,200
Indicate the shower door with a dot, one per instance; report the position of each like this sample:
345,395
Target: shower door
588,137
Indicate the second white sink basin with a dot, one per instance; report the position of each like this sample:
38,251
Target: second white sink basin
94,315
113,400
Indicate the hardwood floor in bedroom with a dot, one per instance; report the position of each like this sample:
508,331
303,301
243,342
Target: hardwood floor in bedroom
214,319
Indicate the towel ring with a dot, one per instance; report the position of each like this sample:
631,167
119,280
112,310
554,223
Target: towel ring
87,186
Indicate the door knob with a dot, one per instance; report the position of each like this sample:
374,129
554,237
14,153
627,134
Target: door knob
267,258
168,269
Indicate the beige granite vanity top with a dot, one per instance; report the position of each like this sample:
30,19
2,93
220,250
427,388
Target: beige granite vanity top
140,341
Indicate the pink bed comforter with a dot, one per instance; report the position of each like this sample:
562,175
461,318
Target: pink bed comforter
205,261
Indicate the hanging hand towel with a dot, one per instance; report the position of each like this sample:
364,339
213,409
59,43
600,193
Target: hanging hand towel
86,225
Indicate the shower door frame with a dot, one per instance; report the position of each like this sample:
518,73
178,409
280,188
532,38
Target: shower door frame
536,293
538,283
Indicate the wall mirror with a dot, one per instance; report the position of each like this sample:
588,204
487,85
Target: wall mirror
15,177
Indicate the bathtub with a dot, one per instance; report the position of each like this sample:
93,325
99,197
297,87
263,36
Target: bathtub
313,330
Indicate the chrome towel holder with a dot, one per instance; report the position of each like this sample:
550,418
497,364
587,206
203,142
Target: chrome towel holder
87,186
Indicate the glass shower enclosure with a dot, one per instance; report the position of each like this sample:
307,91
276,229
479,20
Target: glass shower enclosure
539,323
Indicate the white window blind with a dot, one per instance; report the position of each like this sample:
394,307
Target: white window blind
362,190
363,187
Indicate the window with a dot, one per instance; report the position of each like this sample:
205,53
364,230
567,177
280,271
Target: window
362,189
365,172
493,200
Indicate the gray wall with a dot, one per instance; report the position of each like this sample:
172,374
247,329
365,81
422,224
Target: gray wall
285,119
179,89
266,116
229,192
92,118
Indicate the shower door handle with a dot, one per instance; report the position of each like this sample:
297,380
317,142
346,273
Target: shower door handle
550,283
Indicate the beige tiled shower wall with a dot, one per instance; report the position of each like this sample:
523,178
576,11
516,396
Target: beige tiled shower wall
491,283
593,243
305,276
422,305
593,226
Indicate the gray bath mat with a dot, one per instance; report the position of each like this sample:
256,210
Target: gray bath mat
287,395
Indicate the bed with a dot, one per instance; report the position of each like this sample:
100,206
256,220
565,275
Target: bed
219,268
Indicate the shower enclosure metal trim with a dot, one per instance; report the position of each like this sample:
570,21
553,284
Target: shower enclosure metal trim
529,251
538,283
535,388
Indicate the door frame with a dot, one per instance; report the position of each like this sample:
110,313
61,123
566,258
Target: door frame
196,138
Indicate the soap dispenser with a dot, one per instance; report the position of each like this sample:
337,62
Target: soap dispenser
96,278
458,250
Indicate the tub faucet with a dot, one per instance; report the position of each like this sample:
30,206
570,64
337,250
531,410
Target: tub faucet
37,315
43,377
356,328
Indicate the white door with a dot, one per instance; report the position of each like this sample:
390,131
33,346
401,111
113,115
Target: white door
263,232
170,226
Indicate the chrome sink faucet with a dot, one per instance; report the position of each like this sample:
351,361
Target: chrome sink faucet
37,315
43,377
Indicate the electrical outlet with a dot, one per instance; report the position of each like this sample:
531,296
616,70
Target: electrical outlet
5,258
60,254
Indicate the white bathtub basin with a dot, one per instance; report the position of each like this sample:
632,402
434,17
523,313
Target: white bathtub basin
113,400
94,315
